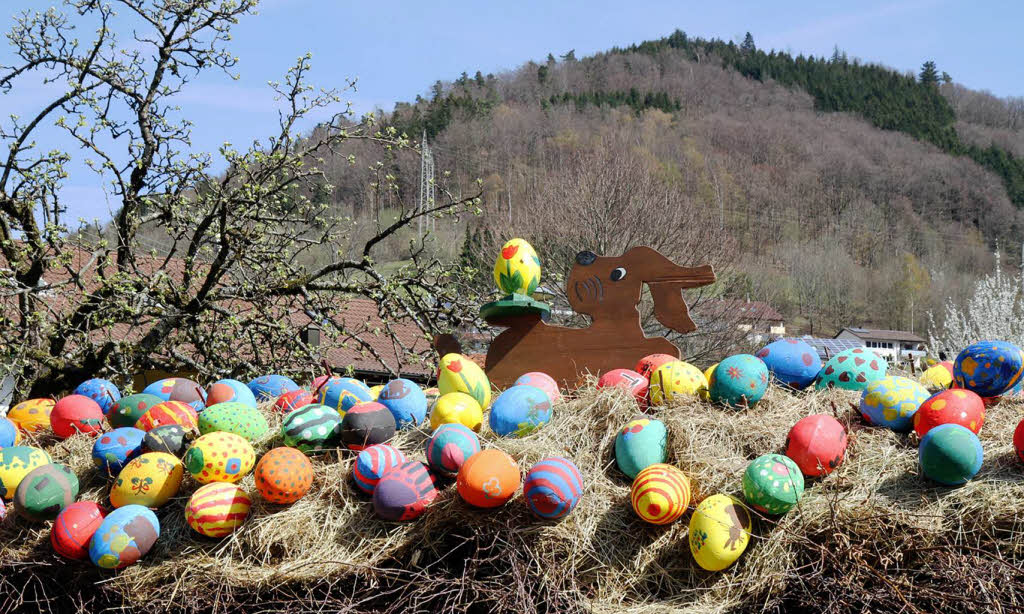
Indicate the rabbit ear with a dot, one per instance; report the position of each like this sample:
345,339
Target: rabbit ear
666,280
670,308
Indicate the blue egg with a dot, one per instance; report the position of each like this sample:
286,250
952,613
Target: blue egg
406,401
8,433
739,381
552,488
113,450
792,362
520,410
125,536
104,392
267,387
230,391
342,393
988,368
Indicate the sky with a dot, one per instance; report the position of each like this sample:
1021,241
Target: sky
397,49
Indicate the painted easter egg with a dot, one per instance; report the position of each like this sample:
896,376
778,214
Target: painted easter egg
229,391
519,411
647,365
719,532
267,387
950,454
404,492
489,478
627,379
739,381
74,527
517,269
313,428
938,377
113,450
456,373
640,444
149,480
456,408
76,414
219,457
104,392
955,406
169,412
449,447
552,488
45,491
1018,440
367,424
710,372
793,363
373,463
891,402
988,368
169,438
543,381
432,395
674,381
660,494
178,389
773,483
33,415
124,537
10,435
3,510
128,410
233,417
342,393
293,399
318,383
217,509
816,444
852,369
375,391
15,463
283,475
406,402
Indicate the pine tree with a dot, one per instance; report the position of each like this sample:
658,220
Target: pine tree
748,44
929,74
946,78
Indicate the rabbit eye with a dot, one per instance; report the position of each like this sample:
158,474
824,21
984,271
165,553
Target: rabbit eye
618,274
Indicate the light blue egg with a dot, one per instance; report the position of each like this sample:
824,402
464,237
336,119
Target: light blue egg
406,401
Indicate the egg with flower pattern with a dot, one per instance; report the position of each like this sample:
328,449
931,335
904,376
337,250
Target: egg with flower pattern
456,373
739,381
149,480
517,268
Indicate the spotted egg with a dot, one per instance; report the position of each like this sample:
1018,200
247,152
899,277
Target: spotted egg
219,457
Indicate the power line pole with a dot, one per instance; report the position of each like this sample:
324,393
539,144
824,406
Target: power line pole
426,180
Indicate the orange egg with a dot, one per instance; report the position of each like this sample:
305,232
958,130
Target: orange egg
284,475
488,479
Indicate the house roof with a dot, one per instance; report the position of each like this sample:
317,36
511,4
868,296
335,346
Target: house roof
740,309
883,334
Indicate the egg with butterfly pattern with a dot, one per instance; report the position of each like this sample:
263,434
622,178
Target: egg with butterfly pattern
169,438
892,402
852,369
169,412
449,446
543,381
233,417
15,463
988,368
660,494
45,491
150,480
104,392
342,393
404,492
219,457
373,463
74,527
553,488
125,536
739,381
10,435
283,475
406,402
793,363
267,387
113,450
229,391
629,380
33,415
217,509
293,399
312,429
128,410
76,414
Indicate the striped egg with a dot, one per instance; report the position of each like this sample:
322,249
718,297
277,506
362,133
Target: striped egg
219,457
660,494
405,492
450,446
552,488
372,463
169,412
283,475
217,509
313,428
293,399
367,424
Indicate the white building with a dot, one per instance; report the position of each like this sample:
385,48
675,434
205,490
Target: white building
893,345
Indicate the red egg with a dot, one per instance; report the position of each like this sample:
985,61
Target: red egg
1018,440
293,399
648,364
74,527
632,381
953,406
816,444
76,414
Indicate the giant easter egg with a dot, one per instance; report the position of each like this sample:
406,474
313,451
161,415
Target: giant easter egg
229,391
169,438
113,450
404,492
988,368
517,269
128,410
540,380
219,457
456,373
628,380
938,377
647,365
313,428
950,454
104,392
552,488
773,483
76,414
10,435
293,399
406,402
739,381
852,369
217,509
342,393
457,408
124,537
15,463
660,494
283,475
488,479
367,424
519,411
640,444
373,463
816,444
233,417
33,415
1018,440
169,412
149,480
674,381
45,491
74,527
267,387
178,389
719,532
792,363
891,402
449,447
955,406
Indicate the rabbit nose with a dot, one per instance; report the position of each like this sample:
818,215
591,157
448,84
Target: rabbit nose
586,258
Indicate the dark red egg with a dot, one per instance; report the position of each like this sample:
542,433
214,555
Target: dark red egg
816,444
1018,440
953,406
76,414
629,379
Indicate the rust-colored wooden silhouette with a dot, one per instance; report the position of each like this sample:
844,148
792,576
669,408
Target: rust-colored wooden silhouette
608,290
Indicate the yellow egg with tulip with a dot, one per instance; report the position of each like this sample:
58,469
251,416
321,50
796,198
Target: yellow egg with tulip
517,269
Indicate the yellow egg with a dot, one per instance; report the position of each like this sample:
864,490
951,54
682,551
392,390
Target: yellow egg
149,480
674,380
517,269
456,408
460,374
217,509
707,375
937,378
32,415
375,391
220,457
15,464
719,532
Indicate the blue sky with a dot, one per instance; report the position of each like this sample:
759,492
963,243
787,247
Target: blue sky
398,49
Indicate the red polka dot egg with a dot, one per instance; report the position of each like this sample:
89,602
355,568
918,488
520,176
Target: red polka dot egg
219,457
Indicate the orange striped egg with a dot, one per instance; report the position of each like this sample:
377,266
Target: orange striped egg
220,457
217,509
660,494
169,412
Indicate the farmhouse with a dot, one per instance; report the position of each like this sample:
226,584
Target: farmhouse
889,344
756,318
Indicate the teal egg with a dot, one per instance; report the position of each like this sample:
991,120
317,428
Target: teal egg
640,444
313,428
739,381
773,483
950,454
852,369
